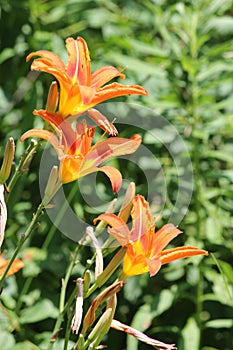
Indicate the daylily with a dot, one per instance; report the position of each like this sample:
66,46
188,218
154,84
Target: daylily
145,246
76,155
15,267
80,89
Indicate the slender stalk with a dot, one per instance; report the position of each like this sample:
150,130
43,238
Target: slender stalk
60,318
196,158
23,238
24,291
46,243
67,277
23,165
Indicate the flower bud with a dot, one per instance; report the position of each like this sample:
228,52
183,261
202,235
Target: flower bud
111,267
3,214
127,202
53,185
80,343
86,281
103,296
101,328
7,160
53,96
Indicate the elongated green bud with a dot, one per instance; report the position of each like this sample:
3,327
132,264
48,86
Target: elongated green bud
53,185
101,328
52,99
7,160
111,267
86,281
102,297
80,343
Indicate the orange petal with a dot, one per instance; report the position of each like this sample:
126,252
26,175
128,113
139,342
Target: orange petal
69,168
115,90
113,174
73,58
119,228
15,267
143,222
109,148
154,266
102,121
43,134
103,75
84,70
87,94
172,254
164,236
52,59
134,264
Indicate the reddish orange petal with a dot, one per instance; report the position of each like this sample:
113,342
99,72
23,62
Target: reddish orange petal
15,267
115,90
103,75
109,148
113,174
84,70
154,266
87,94
164,236
134,264
119,228
102,121
43,134
69,168
172,254
73,58
52,59
143,222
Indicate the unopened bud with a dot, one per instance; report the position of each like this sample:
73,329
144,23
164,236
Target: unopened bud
7,160
86,281
80,343
3,214
127,202
53,185
103,296
111,267
101,328
53,96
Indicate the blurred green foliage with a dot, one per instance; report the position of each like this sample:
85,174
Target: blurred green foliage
181,52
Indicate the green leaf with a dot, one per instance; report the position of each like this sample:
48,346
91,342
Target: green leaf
6,340
38,312
220,323
147,312
191,335
25,346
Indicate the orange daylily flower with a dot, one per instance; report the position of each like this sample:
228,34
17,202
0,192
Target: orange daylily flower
76,155
80,89
144,245
15,267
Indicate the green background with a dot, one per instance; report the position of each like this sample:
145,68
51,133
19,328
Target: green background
181,52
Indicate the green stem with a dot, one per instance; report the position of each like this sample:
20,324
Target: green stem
23,165
66,279
60,318
60,216
46,243
196,159
23,238
24,291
